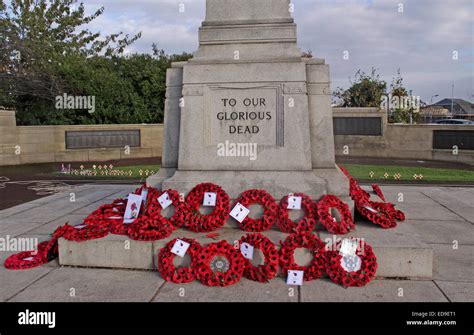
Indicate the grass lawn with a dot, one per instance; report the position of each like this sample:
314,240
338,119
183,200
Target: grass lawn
360,172
117,172
407,173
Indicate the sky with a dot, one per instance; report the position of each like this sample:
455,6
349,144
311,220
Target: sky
430,41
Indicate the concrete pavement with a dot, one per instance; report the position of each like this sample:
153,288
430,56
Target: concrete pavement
441,217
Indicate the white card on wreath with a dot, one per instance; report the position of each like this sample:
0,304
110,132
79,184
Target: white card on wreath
144,195
370,209
28,259
246,250
132,210
209,199
348,247
294,202
180,248
295,277
165,200
80,226
239,212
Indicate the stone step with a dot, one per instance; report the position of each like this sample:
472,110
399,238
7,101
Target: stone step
399,254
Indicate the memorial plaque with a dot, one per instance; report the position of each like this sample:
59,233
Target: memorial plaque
249,115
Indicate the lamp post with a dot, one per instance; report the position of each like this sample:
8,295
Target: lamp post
434,96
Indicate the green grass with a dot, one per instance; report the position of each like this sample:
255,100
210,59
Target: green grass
362,172
128,172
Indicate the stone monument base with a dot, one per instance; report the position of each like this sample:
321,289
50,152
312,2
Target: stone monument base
278,183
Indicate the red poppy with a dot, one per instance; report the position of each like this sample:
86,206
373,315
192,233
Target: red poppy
306,223
303,240
341,276
197,222
219,264
333,226
266,271
270,210
166,267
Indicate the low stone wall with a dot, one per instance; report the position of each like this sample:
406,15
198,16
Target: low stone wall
398,140
44,144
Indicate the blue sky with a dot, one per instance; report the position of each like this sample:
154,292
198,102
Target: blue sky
420,40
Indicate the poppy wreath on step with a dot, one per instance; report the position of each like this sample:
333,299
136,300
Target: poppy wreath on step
27,259
146,228
329,222
219,264
303,240
154,208
45,252
376,214
270,210
378,191
166,267
390,209
307,223
355,270
107,215
262,273
88,232
197,222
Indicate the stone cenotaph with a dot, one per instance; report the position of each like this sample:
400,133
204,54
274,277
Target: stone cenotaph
247,111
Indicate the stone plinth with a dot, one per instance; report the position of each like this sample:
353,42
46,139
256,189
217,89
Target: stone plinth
247,87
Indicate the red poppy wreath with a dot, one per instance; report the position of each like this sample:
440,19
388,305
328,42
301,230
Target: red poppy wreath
303,240
262,273
376,214
306,223
357,270
86,232
146,228
197,222
270,210
107,215
154,208
28,259
45,252
165,262
333,226
219,264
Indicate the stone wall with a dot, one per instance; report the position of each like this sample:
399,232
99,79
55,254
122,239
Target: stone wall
398,140
43,144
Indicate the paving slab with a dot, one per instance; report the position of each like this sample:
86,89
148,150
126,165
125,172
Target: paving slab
50,227
434,231
324,290
453,264
14,281
273,291
458,200
92,285
17,209
457,291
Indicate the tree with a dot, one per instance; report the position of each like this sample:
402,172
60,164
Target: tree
366,91
38,38
402,111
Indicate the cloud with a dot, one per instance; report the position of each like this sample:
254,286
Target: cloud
420,40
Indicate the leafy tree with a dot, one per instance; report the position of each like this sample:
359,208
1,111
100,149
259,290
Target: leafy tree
38,39
366,91
400,113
